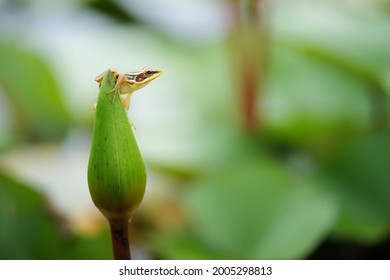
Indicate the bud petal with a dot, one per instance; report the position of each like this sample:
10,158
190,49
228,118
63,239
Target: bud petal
116,171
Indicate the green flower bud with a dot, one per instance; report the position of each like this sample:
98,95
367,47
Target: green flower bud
116,171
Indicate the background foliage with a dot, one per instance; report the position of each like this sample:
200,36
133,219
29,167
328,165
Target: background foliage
267,137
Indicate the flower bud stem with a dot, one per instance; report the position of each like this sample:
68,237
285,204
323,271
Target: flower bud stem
120,238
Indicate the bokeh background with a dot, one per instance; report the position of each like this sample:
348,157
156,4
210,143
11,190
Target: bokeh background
267,137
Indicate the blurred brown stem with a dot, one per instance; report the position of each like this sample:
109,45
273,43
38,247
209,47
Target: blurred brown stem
120,238
248,43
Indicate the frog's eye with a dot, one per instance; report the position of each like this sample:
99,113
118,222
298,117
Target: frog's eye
148,72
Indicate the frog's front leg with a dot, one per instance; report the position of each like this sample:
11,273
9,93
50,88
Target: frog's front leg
119,82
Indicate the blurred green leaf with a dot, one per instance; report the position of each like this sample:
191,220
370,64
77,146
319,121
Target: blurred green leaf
362,172
309,103
183,246
38,108
258,210
323,76
30,229
353,35
112,9
97,247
